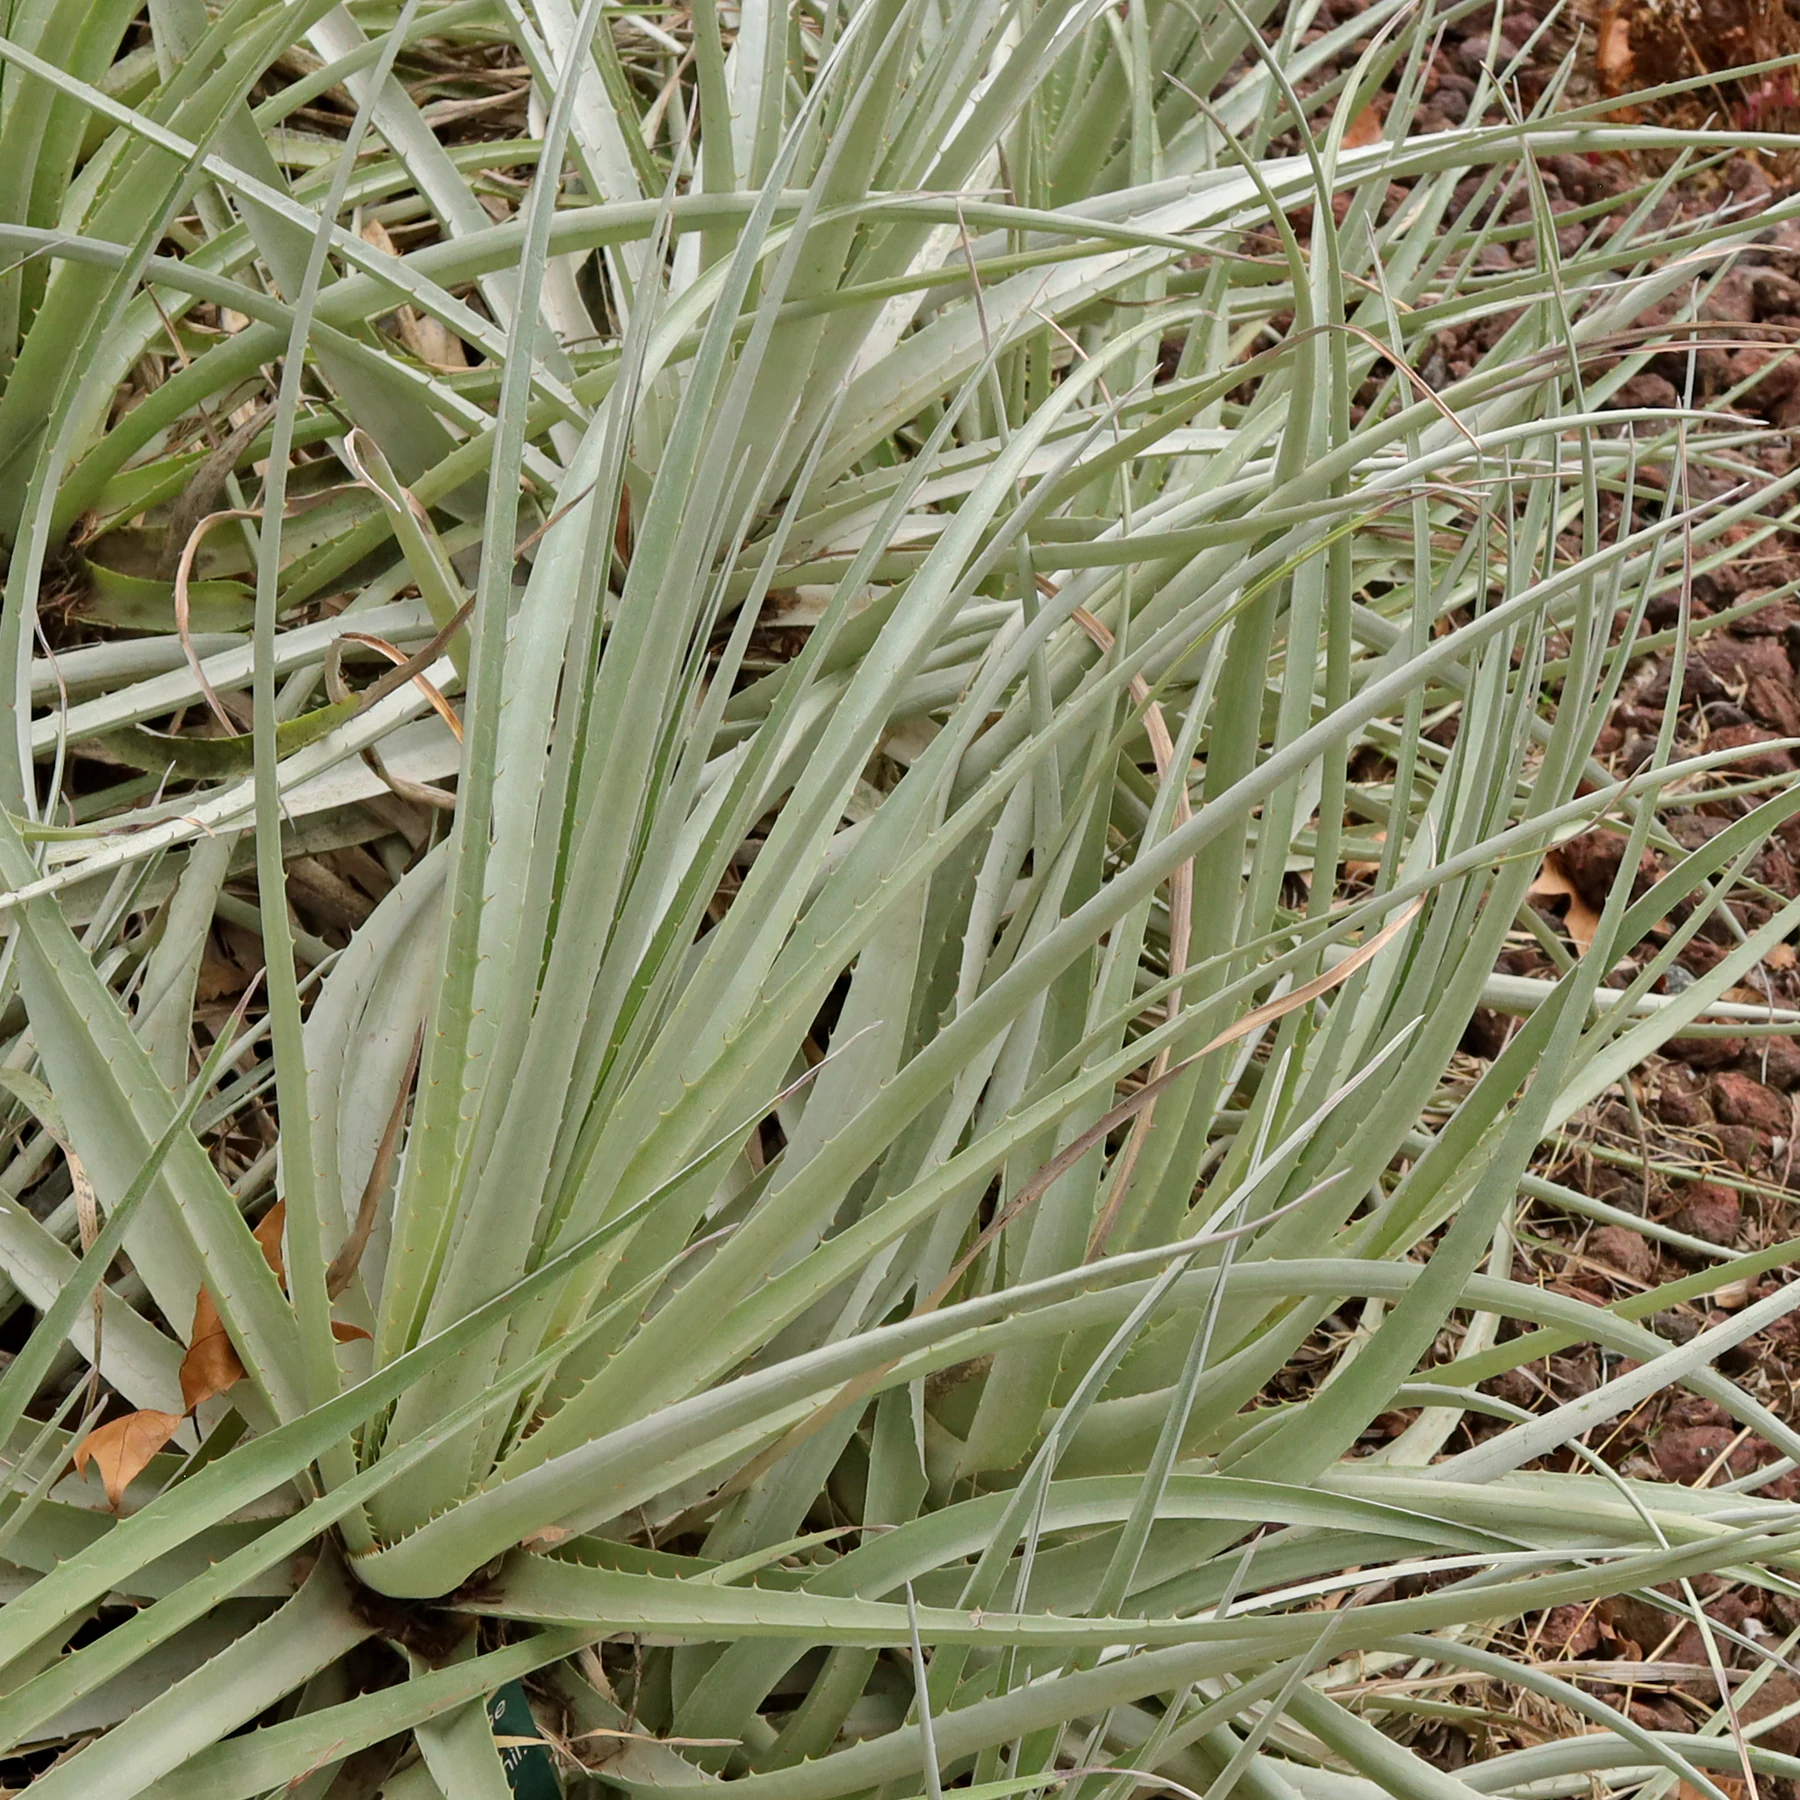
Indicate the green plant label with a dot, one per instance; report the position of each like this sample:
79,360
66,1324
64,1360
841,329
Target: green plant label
529,1771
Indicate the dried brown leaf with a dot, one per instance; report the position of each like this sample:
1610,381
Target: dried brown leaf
427,338
122,1448
268,1235
211,1364
1551,883
431,341
1613,59
1365,128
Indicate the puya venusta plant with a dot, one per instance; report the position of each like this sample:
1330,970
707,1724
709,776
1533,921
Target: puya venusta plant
930,907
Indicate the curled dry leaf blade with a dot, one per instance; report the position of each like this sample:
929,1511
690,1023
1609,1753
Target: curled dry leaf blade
395,655
121,1449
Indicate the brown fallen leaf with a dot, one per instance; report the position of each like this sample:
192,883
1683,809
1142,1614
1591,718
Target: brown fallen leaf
211,1364
1613,60
268,1235
1552,882
429,339
1365,128
1583,923
122,1448
348,1334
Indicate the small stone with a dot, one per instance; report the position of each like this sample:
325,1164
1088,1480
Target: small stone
1662,1714
1737,661
1646,390
1685,1455
1710,1212
1774,867
1778,1692
1774,702
1621,1249
1635,1621
1705,1053
1780,618
1774,1061
1570,1630
1515,1387
1732,299
1739,1143
1485,1034
1740,1099
1592,862
1775,375
1678,1101
1700,956
1677,1326
1752,764
1775,292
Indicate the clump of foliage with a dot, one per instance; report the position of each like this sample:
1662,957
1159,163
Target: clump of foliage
1003,725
